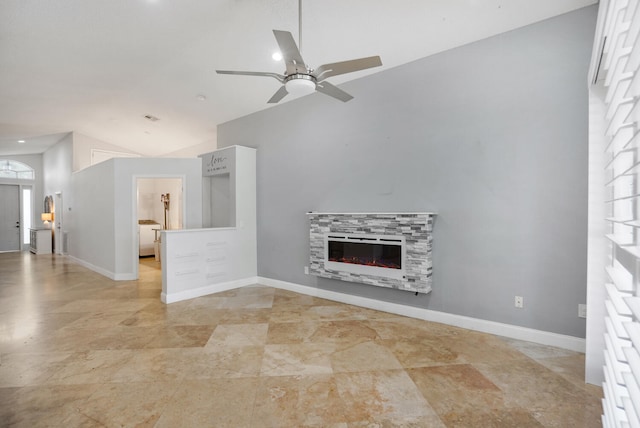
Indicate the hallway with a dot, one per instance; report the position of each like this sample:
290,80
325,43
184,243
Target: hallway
77,349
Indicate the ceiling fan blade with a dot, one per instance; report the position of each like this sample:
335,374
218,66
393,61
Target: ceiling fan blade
290,53
333,91
276,76
336,68
280,94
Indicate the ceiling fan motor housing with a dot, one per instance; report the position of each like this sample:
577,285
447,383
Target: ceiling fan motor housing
300,84
299,79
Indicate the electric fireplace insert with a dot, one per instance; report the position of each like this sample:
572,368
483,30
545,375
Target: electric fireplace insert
377,255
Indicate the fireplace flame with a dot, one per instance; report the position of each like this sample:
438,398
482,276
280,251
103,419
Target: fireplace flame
365,262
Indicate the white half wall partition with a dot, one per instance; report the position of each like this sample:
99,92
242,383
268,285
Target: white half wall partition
198,262
103,226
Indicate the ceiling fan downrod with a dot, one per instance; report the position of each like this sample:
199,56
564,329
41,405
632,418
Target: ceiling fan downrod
300,26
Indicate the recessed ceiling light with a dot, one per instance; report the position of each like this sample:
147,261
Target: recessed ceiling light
201,97
21,141
277,56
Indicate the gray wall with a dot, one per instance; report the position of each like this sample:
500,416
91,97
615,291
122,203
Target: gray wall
492,136
92,225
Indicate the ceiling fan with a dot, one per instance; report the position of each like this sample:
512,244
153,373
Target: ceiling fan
298,77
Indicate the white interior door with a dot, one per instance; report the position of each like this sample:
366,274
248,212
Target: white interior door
9,217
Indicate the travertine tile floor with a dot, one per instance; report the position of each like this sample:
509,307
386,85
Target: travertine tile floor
79,350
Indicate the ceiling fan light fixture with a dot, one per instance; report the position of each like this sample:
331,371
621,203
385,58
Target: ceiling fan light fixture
300,79
300,84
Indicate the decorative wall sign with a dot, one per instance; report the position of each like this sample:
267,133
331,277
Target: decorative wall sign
218,162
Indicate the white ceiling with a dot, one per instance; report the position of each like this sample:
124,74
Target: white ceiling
98,67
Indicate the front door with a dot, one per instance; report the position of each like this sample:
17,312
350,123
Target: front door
9,217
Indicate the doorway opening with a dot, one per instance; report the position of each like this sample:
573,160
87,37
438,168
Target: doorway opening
159,207
58,233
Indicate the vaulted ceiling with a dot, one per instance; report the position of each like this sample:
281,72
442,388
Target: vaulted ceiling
98,67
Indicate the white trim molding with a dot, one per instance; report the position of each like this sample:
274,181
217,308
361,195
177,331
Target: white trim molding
507,330
206,290
102,271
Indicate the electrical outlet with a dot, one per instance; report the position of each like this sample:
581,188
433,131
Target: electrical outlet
306,270
519,302
582,310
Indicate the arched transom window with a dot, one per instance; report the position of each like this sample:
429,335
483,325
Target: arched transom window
16,170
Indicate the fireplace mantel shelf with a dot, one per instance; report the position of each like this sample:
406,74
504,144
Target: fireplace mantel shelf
385,213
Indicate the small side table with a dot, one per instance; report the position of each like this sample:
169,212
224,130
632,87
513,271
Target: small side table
40,241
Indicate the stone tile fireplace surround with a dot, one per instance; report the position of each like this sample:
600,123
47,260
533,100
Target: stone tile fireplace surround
413,229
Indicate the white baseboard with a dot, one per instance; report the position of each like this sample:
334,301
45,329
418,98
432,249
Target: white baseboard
206,290
515,332
102,271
